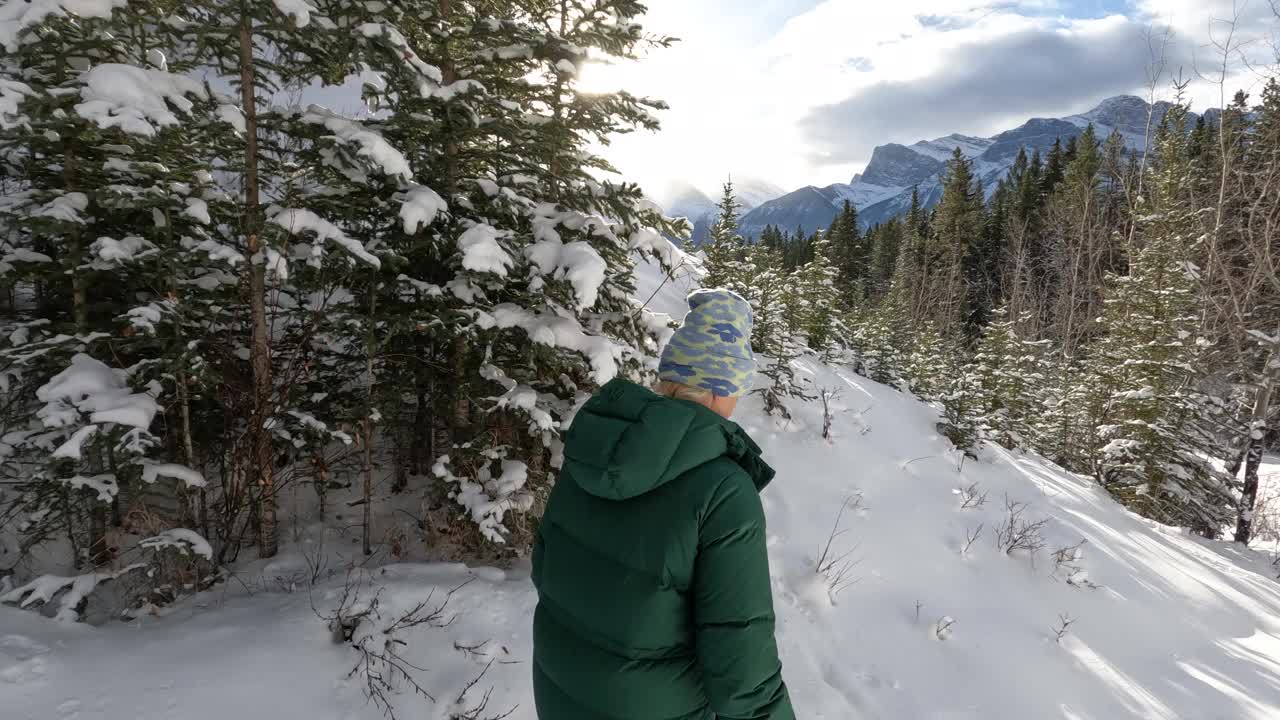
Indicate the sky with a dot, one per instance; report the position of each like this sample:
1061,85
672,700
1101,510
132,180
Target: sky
799,92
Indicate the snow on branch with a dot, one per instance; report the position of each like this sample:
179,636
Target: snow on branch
370,145
555,331
46,587
72,447
151,471
135,99
577,262
105,485
297,10
297,222
430,79
12,93
420,207
481,251
488,499
187,542
64,208
519,397
18,16
89,386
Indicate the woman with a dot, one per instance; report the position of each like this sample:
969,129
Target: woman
653,584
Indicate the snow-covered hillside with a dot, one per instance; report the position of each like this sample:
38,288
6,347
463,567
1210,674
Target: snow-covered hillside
1160,625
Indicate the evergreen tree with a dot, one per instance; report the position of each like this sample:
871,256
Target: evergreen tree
822,320
1154,430
775,300
1010,381
886,246
1084,251
851,253
1055,167
956,247
724,243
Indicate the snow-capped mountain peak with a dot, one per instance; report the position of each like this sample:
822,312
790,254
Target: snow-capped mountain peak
884,188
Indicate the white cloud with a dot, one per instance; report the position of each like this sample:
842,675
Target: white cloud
746,76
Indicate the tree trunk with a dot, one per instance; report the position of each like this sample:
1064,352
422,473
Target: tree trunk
1253,456
422,452
260,460
370,349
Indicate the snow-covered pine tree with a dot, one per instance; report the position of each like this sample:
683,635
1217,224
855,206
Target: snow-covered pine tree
528,276
1062,431
1010,380
956,242
962,410
850,252
775,301
106,200
110,206
724,245
930,361
878,343
822,321
1155,430
886,243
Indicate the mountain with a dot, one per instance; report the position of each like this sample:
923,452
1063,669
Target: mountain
686,201
883,190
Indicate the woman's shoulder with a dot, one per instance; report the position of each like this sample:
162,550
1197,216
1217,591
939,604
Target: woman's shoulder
724,490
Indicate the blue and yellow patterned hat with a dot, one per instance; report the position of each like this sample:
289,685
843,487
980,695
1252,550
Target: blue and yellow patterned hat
712,349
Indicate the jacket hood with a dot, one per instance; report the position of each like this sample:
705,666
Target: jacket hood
627,441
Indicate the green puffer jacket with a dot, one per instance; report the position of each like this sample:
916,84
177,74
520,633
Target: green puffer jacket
654,598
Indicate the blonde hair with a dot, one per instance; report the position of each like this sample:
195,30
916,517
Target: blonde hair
675,390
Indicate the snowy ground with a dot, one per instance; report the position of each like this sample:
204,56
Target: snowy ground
1164,626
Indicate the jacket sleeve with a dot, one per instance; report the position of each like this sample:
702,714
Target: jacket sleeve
733,609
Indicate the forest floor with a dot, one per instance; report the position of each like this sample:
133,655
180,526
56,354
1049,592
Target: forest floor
1160,624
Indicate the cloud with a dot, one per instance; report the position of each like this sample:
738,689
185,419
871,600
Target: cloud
800,91
985,84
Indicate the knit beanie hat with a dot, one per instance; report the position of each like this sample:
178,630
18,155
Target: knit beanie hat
712,348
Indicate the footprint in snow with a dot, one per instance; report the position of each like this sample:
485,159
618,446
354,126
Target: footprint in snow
838,680
21,659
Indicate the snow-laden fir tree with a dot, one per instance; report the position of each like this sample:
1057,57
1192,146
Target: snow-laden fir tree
821,315
878,343
724,246
107,213
1010,380
776,304
430,287
1155,430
